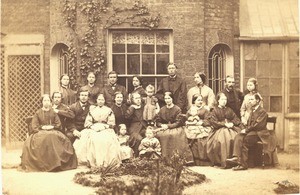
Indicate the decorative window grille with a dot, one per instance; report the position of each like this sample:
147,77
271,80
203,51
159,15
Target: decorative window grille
24,92
216,68
2,93
144,53
63,61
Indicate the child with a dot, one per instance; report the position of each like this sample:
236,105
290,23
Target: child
194,128
126,151
151,106
150,146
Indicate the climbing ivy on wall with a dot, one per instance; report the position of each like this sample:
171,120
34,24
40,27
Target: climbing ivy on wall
87,50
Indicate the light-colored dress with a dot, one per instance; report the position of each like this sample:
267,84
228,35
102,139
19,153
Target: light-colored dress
126,151
149,146
98,144
205,91
150,109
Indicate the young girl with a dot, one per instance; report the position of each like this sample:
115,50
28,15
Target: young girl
151,106
246,106
126,151
150,146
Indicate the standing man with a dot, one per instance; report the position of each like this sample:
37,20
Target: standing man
234,96
80,109
256,130
62,110
112,87
174,84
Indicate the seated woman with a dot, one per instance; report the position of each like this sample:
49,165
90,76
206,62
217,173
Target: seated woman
225,125
172,136
47,149
197,129
98,144
119,108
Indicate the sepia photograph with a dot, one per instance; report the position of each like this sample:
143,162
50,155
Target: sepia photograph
152,97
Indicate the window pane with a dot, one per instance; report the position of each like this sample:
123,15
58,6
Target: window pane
250,68
266,103
133,64
133,48
119,63
294,50
161,63
263,70
294,68
276,51
263,86
250,51
148,64
294,103
148,48
275,86
294,86
276,67
122,81
162,42
275,103
118,48
148,81
263,51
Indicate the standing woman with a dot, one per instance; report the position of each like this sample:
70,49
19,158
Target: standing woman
69,95
172,136
246,107
226,125
137,125
202,89
119,108
91,87
47,149
197,133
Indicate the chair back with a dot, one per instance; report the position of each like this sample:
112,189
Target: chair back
272,120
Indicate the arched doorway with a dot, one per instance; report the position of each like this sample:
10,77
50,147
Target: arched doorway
220,64
58,64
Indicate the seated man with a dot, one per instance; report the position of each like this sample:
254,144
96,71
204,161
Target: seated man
80,110
256,130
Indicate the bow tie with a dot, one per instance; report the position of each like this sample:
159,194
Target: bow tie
172,78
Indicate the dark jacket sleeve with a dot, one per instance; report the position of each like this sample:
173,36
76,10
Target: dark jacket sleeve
259,123
214,121
182,95
66,112
35,123
57,123
177,121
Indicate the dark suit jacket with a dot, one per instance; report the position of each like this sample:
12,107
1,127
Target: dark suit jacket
234,100
78,121
109,94
177,87
257,124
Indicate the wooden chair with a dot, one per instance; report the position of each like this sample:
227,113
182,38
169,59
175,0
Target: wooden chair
29,127
272,120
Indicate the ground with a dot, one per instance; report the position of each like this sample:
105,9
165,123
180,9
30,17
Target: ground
220,181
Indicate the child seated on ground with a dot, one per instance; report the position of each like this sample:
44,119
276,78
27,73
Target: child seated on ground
126,151
194,128
150,146
151,106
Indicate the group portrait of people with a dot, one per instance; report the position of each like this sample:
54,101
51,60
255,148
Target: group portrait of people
102,126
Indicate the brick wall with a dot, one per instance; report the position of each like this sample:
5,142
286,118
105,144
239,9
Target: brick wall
197,26
28,17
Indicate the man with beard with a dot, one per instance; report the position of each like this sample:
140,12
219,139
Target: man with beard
80,109
62,110
234,96
174,84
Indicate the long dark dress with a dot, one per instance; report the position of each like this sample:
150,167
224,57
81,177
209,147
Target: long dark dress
174,137
198,141
136,127
47,150
119,112
69,95
220,140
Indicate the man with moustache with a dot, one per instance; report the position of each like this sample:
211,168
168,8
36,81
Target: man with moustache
256,130
80,109
62,110
174,84
234,96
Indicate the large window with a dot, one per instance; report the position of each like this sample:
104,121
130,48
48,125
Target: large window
140,52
